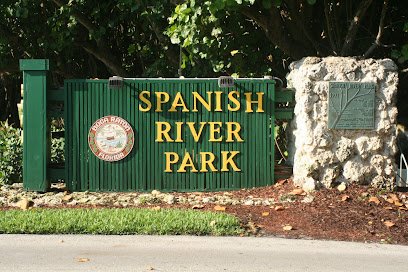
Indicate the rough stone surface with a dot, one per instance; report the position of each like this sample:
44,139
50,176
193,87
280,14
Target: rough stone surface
15,196
333,156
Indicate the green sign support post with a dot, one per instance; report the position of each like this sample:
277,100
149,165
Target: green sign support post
35,152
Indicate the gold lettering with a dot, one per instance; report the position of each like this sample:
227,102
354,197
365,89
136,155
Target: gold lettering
249,102
229,160
207,158
163,132
145,100
214,130
160,101
218,101
206,104
233,132
170,161
196,135
234,100
178,102
179,132
187,162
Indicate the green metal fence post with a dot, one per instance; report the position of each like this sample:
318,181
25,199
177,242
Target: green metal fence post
35,124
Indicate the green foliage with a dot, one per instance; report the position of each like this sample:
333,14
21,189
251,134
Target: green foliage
217,40
118,221
57,150
57,154
11,154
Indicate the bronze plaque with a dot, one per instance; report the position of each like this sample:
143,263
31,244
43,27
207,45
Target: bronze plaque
351,105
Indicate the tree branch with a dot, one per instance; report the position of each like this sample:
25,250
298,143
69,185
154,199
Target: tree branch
171,55
105,57
102,52
82,19
300,22
276,33
353,28
377,41
329,27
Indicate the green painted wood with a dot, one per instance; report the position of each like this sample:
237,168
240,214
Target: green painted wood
143,169
34,65
35,149
284,113
285,95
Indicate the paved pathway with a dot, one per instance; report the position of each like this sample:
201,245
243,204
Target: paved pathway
189,253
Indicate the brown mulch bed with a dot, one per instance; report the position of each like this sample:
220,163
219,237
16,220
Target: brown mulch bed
356,214
359,214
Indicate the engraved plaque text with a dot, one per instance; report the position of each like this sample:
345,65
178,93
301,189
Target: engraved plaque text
351,105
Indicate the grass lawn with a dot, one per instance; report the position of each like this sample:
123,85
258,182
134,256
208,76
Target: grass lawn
118,221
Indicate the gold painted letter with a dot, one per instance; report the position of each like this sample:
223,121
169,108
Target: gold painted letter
206,104
163,132
231,131
187,162
196,135
207,158
229,160
214,130
249,102
178,102
170,161
218,101
160,101
145,100
234,100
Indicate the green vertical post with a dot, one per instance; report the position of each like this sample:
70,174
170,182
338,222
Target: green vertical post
35,128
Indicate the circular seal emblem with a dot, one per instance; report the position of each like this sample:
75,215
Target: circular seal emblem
111,138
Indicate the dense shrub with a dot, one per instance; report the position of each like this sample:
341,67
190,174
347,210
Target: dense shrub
11,154
57,144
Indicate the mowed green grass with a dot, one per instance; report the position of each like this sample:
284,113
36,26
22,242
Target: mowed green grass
118,221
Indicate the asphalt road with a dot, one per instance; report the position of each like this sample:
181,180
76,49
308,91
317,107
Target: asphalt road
189,253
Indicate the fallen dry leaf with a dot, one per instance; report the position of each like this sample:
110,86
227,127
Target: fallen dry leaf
365,194
389,224
219,208
151,268
402,208
83,260
265,213
388,208
393,197
287,228
157,208
212,223
398,204
374,199
279,208
389,200
197,207
345,198
297,192
67,198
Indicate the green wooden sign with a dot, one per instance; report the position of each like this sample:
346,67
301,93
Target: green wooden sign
146,134
351,105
